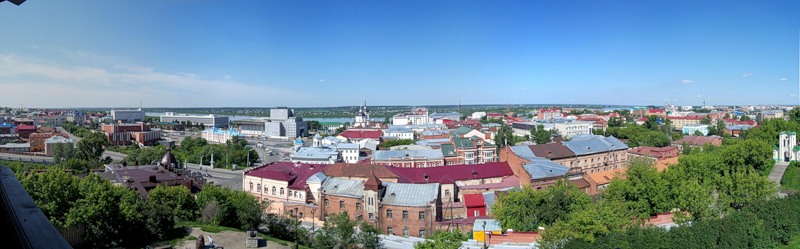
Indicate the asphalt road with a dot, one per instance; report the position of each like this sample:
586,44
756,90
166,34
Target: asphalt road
25,158
227,178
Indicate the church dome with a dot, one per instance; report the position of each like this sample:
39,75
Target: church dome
169,160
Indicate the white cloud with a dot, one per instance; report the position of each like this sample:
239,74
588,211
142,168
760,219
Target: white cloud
699,96
687,81
783,79
745,75
50,84
321,81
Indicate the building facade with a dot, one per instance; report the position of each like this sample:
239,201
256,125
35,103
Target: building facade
209,120
128,116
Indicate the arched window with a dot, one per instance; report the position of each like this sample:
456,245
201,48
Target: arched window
258,188
273,190
281,191
251,186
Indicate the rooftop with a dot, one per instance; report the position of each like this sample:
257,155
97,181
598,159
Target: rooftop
359,170
453,173
315,153
410,195
361,134
543,168
343,187
605,177
388,155
295,174
697,140
591,144
551,151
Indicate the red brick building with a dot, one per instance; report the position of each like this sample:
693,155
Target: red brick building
657,153
127,134
24,131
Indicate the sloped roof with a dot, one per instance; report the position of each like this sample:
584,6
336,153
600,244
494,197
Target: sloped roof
295,174
343,187
697,140
543,168
361,134
448,150
605,177
474,200
372,183
551,151
359,170
462,130
592,144
453,173
410,195
386,155
491,225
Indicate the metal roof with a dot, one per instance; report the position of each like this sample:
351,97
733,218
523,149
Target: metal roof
319,153
491,225
343,146
319,177
384,155
543,168
410,195
591,144
343,187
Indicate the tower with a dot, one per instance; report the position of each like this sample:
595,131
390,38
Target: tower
362,117
787,146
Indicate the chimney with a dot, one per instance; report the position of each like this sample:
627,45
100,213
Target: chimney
153,178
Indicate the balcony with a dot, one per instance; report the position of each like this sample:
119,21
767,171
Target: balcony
22,222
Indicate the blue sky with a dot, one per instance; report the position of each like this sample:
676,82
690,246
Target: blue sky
183,53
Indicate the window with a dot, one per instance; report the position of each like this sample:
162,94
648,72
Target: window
273,190
326,202
389,214
281,191
341,204
358,206
405,232
300,214
291,213
258,187
405,215
251,186
421,233
369,201
295,193
476,213
266,189
371,216
447,192
389,231
421,215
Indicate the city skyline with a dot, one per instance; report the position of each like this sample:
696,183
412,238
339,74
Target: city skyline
303,54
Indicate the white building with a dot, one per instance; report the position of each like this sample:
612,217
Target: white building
438,118
219,136
691,129
51,143
209,120
416,116
348,152
281,124
128,116
399,133
687,108
477,115
787,147
567,128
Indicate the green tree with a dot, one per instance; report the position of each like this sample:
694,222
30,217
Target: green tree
744,118
601,218
794,115
698,133
54,191
178,198
540,135
528,209
396,142
92,145
615,122
443,240
338,232
236,207
504,136
652,122
643,187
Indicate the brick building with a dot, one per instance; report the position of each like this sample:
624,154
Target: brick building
127,134
24,131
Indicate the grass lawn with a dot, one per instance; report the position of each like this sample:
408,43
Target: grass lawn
791,180
207,228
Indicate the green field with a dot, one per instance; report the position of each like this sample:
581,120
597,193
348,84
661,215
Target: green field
791,178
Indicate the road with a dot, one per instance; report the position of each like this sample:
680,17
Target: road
227,178
777,174
26,158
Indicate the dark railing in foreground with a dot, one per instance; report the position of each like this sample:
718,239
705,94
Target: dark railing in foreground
22,223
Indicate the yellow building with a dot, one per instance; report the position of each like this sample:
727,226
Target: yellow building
491,226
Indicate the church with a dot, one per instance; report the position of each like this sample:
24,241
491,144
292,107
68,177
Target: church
787,149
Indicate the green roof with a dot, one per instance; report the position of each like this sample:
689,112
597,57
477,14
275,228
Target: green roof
463,142
462,130
448,150
789,132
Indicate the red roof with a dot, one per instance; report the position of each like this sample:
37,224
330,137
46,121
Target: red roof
453,173
474,200
361,134
656,110
294,173
26,127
